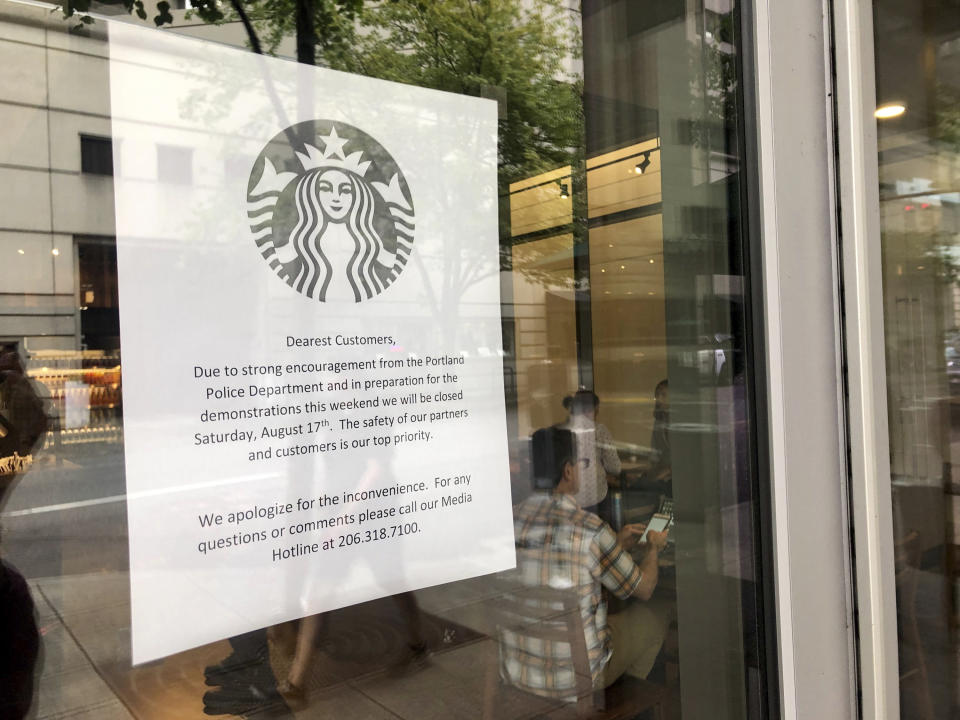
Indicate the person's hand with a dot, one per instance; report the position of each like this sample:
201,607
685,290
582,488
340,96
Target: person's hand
657,539
629,535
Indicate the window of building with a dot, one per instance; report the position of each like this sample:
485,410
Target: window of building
96,155
97,278
174,164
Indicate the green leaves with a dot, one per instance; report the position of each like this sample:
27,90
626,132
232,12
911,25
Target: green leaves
516,52
163,14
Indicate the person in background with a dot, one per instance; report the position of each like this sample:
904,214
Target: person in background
661,472
595,450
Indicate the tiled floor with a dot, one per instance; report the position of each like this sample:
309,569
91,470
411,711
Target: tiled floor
85,622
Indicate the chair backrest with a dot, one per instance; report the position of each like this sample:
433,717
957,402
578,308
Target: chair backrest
542,616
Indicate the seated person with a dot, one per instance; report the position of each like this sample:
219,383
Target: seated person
561,546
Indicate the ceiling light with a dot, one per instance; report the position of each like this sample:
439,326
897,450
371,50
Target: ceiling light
623,267
652,261
602,270
890,110
650,293
20,251
55,251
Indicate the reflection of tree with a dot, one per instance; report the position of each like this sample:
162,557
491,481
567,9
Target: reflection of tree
497,48
714,95
517,53
948,117
514,52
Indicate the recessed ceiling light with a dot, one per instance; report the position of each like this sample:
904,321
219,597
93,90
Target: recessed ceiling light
650,293
652,261
890,110
55,251
20,251
602,269
623,267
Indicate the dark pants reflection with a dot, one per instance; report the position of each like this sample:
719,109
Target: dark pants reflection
19,644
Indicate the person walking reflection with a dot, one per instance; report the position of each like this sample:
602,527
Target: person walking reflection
375,470
23,423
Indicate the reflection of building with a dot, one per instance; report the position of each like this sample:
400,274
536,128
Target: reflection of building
57,210
56,237
57,250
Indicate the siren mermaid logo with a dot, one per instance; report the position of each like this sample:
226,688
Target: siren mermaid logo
330,211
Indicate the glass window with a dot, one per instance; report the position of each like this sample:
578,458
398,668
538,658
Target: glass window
564,181
918,118
96,155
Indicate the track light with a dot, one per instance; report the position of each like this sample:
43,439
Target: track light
644,163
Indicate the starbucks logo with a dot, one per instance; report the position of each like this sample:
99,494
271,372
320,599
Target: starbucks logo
330,211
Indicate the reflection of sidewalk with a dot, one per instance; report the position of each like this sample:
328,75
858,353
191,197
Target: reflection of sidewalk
85,621
69,684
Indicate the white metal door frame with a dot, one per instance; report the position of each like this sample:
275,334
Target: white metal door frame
869,442
820,278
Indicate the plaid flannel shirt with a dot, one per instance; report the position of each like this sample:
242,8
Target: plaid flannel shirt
563,547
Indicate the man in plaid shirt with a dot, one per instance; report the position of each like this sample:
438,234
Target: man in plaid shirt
563,547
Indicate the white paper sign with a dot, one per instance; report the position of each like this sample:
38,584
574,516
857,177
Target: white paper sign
311,338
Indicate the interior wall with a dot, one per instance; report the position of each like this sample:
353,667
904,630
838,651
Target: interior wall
629,353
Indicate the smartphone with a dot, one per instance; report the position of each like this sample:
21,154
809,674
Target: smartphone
658,523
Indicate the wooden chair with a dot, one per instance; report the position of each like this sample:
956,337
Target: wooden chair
913,663
549,615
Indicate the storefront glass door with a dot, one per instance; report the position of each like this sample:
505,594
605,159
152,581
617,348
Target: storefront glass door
416,383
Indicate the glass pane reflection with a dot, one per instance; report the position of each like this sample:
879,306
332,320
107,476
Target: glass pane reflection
918,98
628,392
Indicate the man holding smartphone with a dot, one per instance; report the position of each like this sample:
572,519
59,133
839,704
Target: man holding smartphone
562,546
